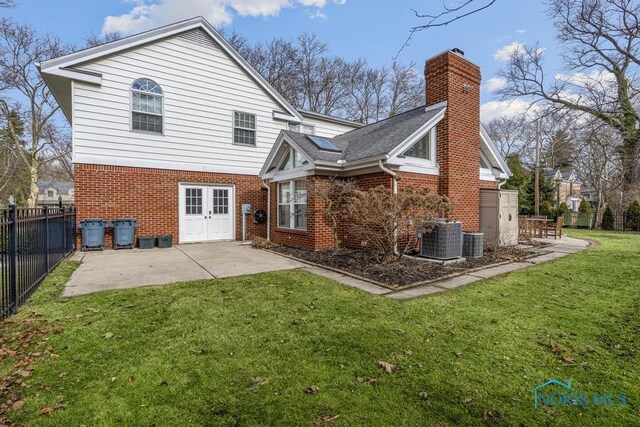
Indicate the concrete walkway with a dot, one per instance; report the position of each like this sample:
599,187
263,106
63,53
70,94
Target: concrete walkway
557,249
132,268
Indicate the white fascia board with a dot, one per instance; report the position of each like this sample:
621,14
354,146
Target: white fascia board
422,131
276,148
91,78
486,139
279,115
163,32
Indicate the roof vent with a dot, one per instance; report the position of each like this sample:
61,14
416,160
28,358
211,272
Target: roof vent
458,51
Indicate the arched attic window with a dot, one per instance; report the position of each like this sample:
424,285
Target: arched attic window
146,106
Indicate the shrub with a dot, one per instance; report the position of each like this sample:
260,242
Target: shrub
564,208
633,216
546,208
379,219
260,243
585,207
607,219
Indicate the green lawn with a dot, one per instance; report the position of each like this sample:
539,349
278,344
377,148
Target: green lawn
242,351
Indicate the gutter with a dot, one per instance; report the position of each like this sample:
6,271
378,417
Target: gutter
395,192
268,188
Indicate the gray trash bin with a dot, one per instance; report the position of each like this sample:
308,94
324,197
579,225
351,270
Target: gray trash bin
123,232
93,233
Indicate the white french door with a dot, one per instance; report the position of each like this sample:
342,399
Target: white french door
206,213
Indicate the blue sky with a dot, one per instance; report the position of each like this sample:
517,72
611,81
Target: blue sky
373,29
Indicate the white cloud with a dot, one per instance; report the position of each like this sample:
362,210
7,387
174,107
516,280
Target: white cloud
598,77
521,31
495,83
505,52
147,14
494,109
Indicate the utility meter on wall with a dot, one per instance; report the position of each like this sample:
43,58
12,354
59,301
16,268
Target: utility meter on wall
246,208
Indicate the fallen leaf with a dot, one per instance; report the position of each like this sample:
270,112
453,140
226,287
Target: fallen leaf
54,356
46,410
506,357
458,353
17,405
108,335
63,374
569,360
311,389
442,424
23,373
489,415
388,367
408,352
398,331
60,405
423,395
130,379
618,346
113,379
468,400
324,420
506,294
360,380
590,348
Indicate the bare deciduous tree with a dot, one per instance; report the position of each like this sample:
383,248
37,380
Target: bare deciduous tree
93,40
380,219
512,135
21,48
602,56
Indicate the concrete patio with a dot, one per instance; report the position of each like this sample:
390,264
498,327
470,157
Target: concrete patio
131,268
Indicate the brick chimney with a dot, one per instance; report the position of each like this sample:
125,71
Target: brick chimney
451,78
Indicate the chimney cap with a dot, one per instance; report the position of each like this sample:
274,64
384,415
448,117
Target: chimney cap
458,51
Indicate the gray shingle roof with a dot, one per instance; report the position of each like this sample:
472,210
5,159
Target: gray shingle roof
373,140
62,187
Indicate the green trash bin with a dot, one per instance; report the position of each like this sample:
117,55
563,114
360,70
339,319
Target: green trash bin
123,232
165,241
145,242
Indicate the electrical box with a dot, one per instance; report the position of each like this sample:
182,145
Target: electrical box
246,209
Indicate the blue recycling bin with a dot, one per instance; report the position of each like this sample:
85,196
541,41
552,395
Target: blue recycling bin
124,232
93,233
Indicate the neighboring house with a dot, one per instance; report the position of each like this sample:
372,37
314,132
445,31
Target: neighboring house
569,187
174,128
51,193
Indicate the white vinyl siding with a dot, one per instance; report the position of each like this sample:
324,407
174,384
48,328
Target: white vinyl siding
202,88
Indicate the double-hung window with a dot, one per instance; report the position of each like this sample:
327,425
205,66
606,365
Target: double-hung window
292,204
146,106
244,128
302,128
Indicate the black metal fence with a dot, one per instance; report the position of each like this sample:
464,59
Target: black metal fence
32,242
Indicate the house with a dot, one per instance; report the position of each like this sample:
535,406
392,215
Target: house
52,193
174,128
569,187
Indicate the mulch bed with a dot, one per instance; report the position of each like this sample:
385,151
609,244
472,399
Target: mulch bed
407,271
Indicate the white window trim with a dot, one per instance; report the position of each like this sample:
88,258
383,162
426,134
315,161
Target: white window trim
131,110
234,127
418,165
298,125
292,203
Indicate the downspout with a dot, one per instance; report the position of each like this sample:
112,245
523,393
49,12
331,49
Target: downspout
394,190
268,188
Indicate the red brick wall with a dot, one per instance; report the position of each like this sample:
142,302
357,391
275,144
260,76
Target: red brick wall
450,77
319,233
151,196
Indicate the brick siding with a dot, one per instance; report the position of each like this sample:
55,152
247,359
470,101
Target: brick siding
151,196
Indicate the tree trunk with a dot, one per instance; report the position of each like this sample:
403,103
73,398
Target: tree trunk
32,201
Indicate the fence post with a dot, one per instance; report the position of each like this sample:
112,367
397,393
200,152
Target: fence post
46,236
13,282
64,229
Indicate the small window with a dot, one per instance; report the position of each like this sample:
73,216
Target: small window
193,201
291,160
146,106
292,204
50,193
302,128
244,128
421,149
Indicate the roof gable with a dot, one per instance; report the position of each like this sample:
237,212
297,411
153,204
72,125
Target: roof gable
59,72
